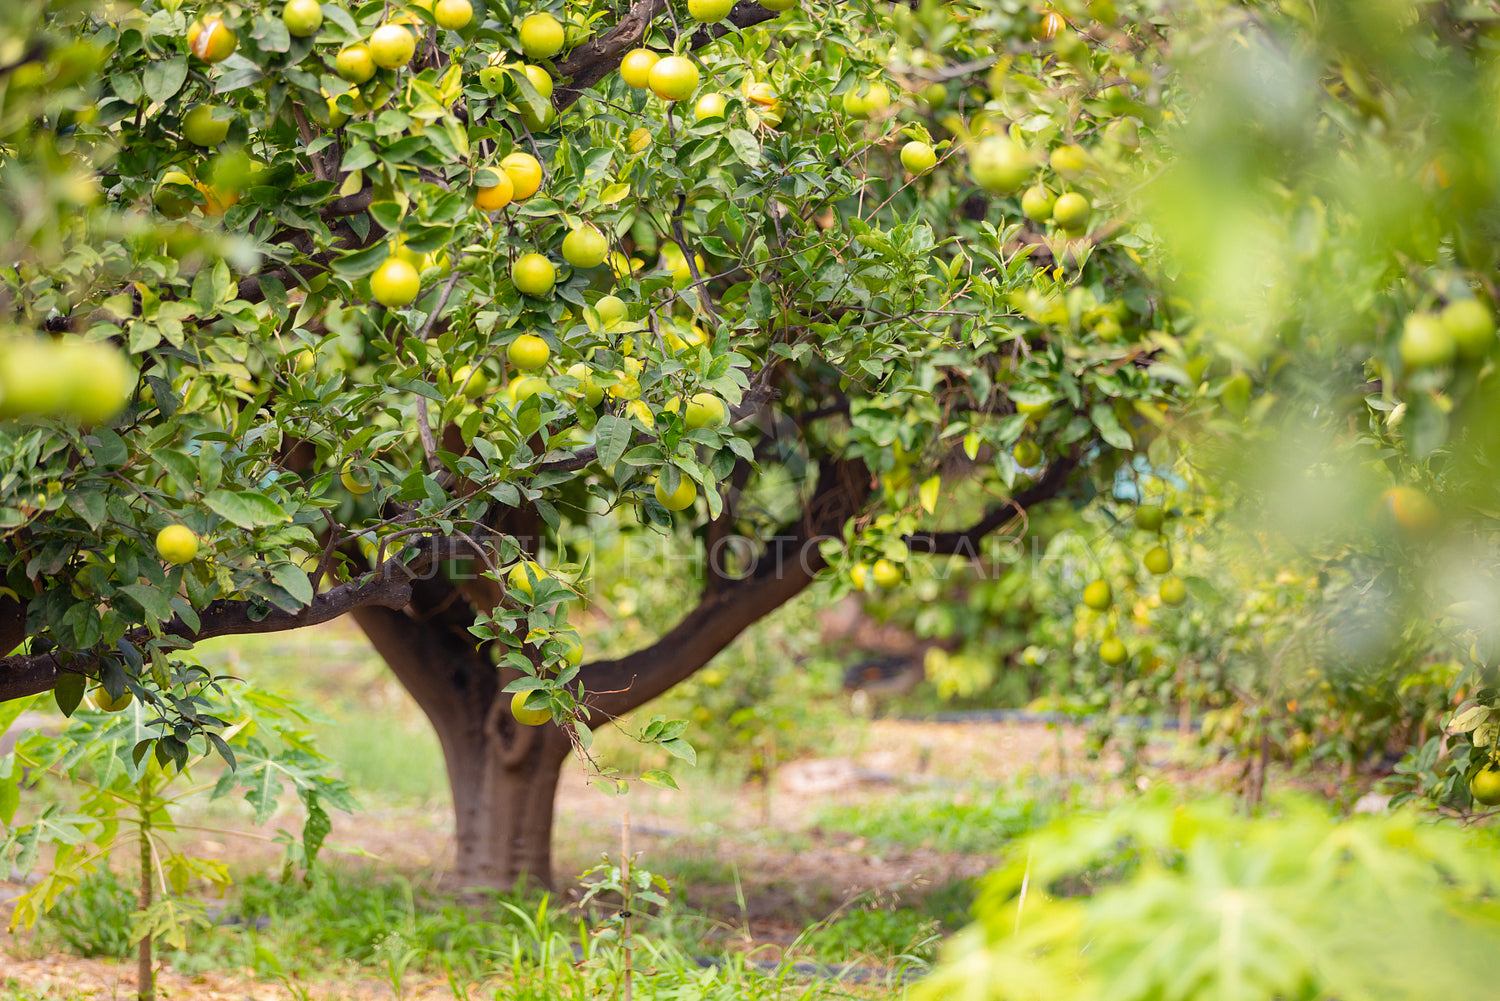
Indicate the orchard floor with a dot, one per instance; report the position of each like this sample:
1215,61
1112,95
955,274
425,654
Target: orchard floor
753,858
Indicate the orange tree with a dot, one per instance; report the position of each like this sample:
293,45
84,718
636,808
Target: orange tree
373,310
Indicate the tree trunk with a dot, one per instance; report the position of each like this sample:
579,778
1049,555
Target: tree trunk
503,776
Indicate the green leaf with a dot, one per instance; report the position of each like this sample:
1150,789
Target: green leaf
295,581
245,508
69,691
164,78
612,437
1109,426
660,779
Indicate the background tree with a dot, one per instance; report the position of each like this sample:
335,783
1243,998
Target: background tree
822,288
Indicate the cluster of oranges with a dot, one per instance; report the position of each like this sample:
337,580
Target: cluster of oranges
1099,595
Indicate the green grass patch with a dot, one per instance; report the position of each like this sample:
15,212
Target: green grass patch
975,822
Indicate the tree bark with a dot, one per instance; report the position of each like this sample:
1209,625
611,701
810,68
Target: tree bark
503,776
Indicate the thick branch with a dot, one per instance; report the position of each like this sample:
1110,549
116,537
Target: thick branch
597,58
964,542
390,587
788,565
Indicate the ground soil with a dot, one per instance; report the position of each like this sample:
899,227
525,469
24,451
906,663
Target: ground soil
769,870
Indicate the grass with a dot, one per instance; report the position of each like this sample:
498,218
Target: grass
975,822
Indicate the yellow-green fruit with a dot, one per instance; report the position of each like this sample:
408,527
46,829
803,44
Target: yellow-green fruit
673,78
471,382
1410,510
302,17
1426,342
526,715
527,386
392,46
705,410
349,477
635,68
525,173
1471,325
452,14
591,390
542,36
520,580
1071,211
709,11
572,649
1113,652
540,80
1485,786
100,699
1098,596
1070,162
534,275
710,105
886,574
354,63
1037,203
200,127
610,308
999,165
585,247
100,381
859,576
173,204
528,352
177,544
918,157
1173,591
679,499
1158,560
395,283
1027,453
1150,517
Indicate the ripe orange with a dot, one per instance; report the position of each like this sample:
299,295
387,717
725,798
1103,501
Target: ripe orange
211,40
711,105
491,197
177,544
525,174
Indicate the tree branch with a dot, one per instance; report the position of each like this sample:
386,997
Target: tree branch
787,565
595,59
964,542
389,586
